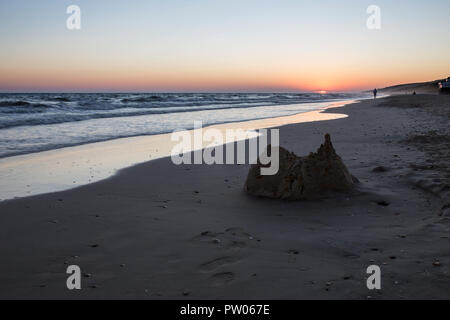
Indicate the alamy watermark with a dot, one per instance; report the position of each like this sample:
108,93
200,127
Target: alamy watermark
73,22
373,22
374,19
213,146
74,280
374,280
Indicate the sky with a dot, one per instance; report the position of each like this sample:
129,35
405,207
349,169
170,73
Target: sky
220,45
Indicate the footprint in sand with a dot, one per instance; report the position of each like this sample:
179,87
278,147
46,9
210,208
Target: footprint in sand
231,238
223,278
238,232
237,244
218,263
206,236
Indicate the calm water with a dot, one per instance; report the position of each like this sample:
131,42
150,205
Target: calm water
36,122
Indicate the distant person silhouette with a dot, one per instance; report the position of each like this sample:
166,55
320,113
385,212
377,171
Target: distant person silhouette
375,91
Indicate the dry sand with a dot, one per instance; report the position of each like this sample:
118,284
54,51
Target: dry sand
429,87
159,231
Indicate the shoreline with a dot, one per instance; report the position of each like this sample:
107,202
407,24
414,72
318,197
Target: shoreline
50,134
158,231
57,170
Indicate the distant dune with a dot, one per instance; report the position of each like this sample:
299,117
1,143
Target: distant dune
430,87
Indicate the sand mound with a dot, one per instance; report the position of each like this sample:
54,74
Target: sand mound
299,178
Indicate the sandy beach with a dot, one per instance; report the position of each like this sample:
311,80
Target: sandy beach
160,231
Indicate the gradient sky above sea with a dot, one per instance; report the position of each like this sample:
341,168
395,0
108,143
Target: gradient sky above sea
221,45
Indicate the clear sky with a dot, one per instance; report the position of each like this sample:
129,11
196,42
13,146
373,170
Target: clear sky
221,45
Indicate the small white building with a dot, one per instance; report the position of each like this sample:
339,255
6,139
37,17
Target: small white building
445,85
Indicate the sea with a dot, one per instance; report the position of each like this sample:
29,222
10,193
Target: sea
35,122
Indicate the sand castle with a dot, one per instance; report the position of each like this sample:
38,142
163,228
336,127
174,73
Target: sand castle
301,178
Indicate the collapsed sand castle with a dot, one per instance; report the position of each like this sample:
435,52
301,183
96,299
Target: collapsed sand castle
301,178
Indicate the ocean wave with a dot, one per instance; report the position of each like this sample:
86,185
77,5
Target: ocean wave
36,122
21,111
9,103
71,117
142,99
46,109
22,107
61,99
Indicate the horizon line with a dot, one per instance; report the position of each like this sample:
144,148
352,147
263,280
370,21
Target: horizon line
180,92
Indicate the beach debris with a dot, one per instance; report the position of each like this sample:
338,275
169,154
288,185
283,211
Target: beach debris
302,178
436,263
383,203
380,169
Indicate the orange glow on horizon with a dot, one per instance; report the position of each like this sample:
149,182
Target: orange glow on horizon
80,77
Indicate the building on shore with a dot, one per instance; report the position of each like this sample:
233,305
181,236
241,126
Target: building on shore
444,86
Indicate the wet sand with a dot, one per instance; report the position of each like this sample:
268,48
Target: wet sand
159,231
